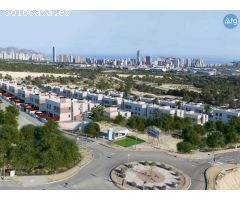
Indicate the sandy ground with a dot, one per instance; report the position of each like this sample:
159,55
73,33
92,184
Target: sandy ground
179,87
229,181
153,95
126,75
19,75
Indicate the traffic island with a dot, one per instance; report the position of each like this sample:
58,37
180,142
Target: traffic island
149,175
217,173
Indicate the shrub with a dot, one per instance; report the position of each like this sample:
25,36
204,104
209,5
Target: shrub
184,147
163,187
133,184
92,129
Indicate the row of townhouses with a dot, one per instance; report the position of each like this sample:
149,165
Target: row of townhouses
65,104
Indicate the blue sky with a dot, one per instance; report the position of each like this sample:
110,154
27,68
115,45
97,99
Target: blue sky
160,33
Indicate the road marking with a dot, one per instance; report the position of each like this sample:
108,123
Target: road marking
215,163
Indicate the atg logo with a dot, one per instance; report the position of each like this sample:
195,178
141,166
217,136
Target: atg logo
230,21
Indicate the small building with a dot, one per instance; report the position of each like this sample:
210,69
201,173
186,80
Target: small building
116,133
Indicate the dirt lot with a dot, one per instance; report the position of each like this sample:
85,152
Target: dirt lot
19,75
230,181
179,87
126,75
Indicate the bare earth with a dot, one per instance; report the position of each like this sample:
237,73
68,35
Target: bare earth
230,181
19,75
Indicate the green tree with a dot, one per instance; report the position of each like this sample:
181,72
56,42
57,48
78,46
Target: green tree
137,122
28,132
215,139
184,147
92,129
97,113
12,110
230,134
209,126
119,120
156,101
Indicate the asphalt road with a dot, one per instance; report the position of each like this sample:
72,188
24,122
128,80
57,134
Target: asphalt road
95,175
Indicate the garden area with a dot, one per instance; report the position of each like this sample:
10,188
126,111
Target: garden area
129,141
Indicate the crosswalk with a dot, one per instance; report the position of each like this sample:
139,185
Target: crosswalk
213,163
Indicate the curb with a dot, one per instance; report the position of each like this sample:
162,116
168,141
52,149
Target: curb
213,178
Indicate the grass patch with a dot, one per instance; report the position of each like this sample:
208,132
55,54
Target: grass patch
129,141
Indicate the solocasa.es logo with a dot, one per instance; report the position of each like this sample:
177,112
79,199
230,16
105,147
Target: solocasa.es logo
230,21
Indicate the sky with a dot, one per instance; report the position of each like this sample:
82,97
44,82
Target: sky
121,33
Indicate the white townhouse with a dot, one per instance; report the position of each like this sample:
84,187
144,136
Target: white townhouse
224,115
13,89
171,104
196,107
146,100
38,99
154,110
114,93
5,85
135,107
24,93
197,118
66,109
80,94
113,112
111,101
57,89
95,97
67,92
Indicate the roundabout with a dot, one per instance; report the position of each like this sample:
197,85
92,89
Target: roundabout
147,175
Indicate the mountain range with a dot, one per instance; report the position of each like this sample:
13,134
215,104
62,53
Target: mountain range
17,50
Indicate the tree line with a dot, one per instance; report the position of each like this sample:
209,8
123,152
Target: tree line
34,149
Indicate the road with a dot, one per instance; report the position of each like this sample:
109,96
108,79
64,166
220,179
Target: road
95,176
23,118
